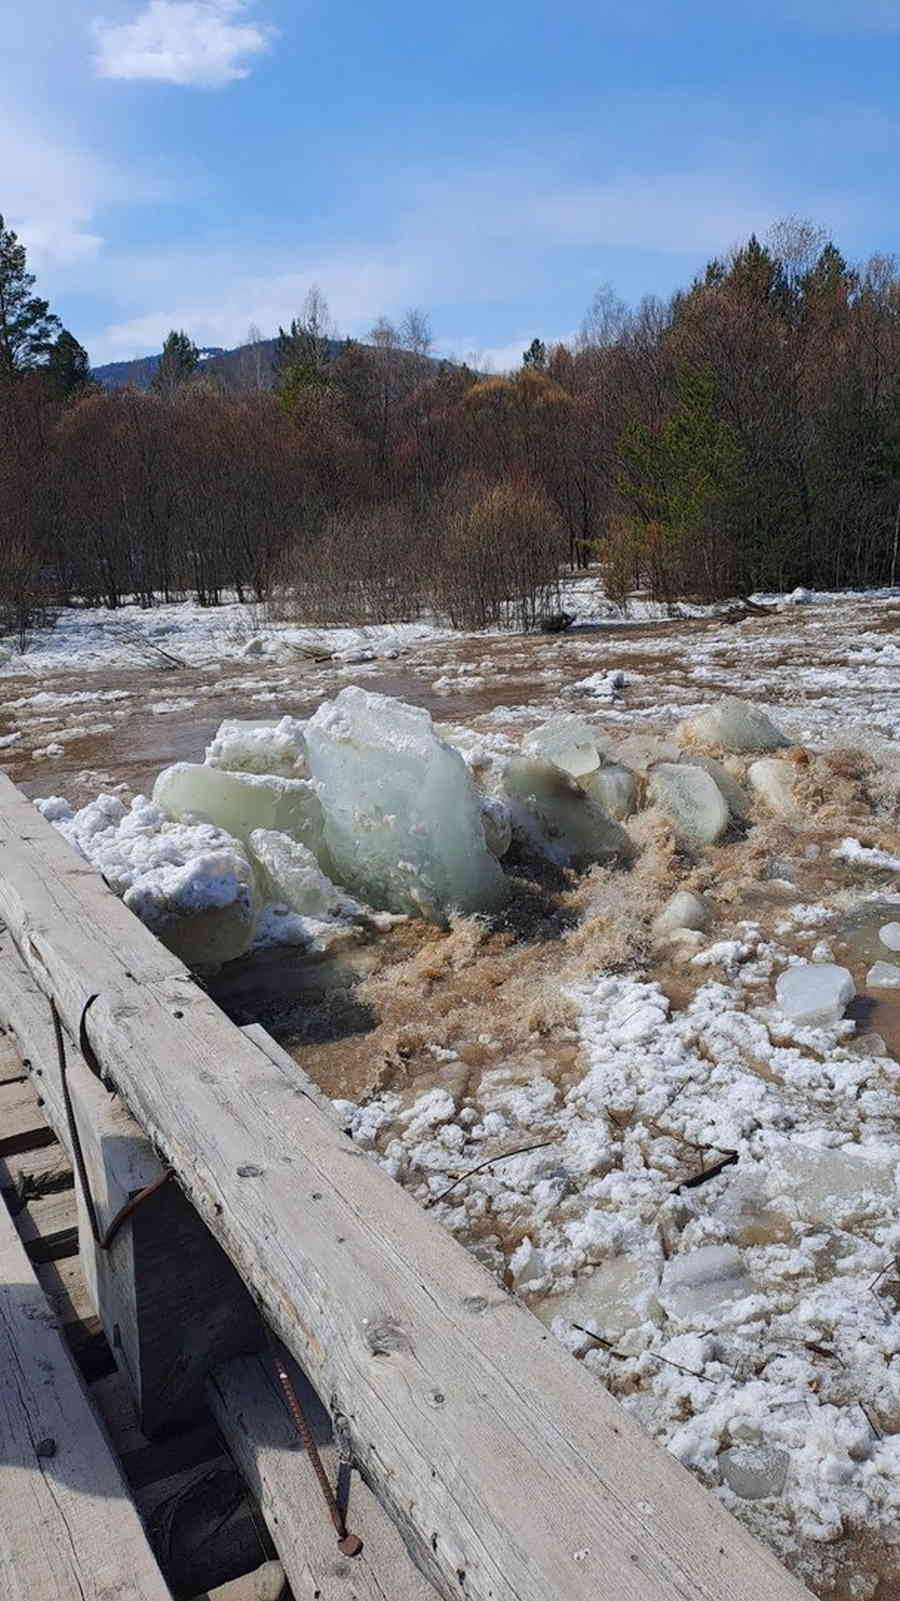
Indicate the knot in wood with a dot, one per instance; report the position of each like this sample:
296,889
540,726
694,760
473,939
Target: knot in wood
386,1336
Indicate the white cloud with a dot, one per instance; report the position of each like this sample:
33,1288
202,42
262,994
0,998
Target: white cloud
203,44
217,305
50,193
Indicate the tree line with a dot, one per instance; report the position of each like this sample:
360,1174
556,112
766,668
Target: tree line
743,435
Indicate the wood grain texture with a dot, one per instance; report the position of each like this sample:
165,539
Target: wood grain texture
258,1431
23,1126
511,1473
166,1328
68,1531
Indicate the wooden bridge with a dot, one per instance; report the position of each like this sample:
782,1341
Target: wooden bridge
487,1465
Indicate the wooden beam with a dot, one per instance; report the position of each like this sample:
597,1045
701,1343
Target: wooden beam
67,1526
509,1470
166,1328
256,1427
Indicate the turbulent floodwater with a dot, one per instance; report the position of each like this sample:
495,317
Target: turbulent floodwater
667,1107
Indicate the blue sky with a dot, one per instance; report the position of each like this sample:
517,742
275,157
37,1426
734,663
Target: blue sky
200,163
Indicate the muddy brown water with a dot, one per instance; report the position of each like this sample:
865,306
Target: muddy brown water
524,670
171,715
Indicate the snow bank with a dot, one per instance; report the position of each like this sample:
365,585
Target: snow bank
192,885
259,747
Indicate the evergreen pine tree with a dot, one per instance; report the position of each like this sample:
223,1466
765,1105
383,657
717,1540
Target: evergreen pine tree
179,362
68,367
27,326
535,356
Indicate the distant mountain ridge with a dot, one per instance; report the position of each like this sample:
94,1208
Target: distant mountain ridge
245,367
139,373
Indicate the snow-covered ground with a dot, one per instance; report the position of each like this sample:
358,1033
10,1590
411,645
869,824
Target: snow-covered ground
707,1212
96,640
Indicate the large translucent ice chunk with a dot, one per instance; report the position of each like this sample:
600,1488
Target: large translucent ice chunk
815,994
774,782
828,1183
556,813
619,1294
289,873
643,751
734,725
613,787
403,817
738,801
242,746
569,743
241,802
691,799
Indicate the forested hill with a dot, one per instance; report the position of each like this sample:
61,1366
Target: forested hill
245,367
239,367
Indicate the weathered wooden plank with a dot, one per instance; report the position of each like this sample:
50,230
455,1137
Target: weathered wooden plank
36,1172
509,1470
166,1327
263,1441
265,1583
45,1221
10,1062
63,1284
23,1126
67,1526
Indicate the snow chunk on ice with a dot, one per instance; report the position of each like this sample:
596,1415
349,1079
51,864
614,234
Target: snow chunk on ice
691,799
889,935
242,746
698,1282
242,802
815,994
557,815
192,885
403,817
598,686
527,1267
55,809
569,743
734,725
850,850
